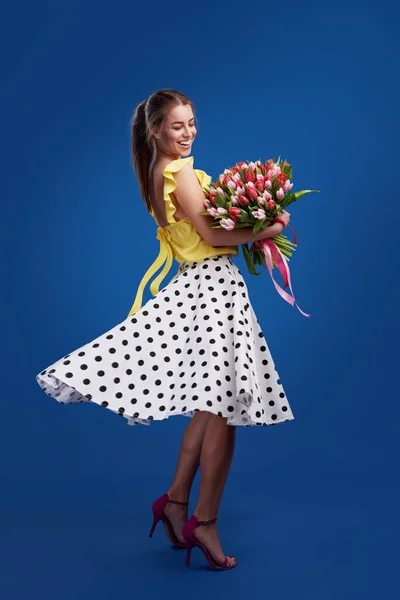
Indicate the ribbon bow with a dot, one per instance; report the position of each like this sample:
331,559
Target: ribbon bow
165,258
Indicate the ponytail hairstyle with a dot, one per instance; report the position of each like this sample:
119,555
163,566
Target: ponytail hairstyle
150,114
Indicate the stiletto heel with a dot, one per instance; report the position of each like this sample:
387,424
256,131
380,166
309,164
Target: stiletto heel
155,521
188,552
158,515
191,541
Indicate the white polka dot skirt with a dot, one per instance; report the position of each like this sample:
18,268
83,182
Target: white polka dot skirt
196,345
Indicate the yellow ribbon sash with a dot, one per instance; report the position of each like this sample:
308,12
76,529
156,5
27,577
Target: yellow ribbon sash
165,257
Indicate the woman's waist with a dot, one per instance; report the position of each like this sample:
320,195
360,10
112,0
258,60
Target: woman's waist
182,255
195,248
187,245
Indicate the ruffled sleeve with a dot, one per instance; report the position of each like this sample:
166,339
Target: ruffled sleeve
203,177
170,183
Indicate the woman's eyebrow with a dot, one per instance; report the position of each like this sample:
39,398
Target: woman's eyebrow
181,121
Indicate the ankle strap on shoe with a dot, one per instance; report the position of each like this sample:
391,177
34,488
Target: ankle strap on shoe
176,502
210,522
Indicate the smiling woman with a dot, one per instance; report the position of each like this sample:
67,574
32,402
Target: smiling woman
179,127
196,348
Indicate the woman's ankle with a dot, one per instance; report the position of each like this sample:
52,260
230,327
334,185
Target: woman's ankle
205,514
178,494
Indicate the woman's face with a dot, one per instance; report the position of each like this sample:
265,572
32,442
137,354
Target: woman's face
177,133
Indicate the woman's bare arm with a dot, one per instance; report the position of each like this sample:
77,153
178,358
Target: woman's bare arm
191,197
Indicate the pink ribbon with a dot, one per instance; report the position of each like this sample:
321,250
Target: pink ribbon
270,250
294,235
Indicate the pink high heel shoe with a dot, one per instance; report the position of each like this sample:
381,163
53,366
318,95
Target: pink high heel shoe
188,534
158,515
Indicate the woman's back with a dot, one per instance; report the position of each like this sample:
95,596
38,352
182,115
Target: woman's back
179,239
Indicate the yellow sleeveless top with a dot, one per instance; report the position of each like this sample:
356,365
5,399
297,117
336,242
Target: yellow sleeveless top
179,239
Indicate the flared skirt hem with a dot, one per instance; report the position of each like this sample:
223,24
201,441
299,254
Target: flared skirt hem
247,415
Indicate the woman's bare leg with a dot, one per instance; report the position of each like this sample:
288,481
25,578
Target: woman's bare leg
215,461
186,469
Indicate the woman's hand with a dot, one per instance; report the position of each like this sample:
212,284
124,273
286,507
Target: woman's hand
285,216
274,229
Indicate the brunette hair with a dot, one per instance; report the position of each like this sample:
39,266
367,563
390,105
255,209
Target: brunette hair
150,113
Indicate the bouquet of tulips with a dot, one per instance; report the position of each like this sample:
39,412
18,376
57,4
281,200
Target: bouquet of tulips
252,194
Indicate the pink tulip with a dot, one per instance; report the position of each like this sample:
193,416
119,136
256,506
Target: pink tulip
267,195
258,214
222,211
274,171
213,212
228,224
232,184
288,186
234,200
280,194
221,192
268,183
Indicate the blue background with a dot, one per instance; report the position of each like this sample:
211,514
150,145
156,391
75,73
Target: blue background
311,506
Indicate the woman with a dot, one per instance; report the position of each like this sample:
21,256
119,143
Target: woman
194,349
